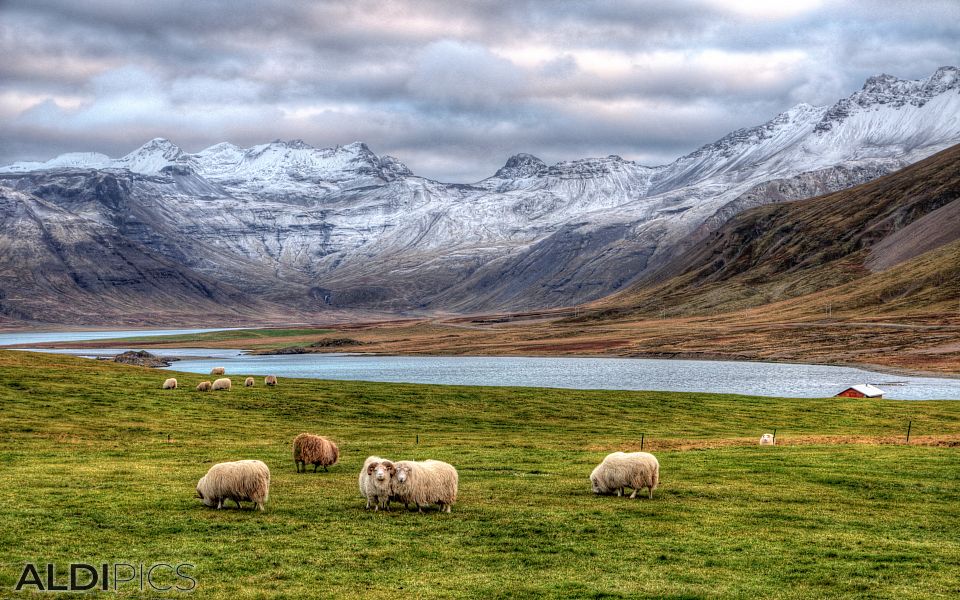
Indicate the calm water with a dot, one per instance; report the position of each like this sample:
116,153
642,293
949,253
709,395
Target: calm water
47,337
763,379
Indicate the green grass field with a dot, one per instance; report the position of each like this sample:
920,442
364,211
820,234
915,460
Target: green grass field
100,465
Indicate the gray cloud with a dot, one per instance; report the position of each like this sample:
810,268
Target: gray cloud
452,89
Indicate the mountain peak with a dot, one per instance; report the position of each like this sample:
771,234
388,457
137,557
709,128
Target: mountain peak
521,166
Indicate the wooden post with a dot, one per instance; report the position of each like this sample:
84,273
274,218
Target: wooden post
909,425
774,436
641,440
418,439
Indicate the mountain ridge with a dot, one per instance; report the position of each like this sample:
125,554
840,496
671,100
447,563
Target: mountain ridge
338,227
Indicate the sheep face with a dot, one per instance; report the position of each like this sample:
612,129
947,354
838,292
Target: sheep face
381,471
206,501
403,473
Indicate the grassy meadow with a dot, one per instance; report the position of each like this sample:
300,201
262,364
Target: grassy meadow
100,465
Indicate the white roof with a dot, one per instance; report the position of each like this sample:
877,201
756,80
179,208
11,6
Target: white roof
870,391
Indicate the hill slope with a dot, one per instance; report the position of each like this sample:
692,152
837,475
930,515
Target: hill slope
56,266
791,249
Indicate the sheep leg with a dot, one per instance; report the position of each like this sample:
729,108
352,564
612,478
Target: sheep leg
651,491
634,494
314,467
448,508
325,470
619,492
219,504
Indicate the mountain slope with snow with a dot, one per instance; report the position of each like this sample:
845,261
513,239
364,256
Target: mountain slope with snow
345,227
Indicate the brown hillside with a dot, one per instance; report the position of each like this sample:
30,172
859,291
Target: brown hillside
782,251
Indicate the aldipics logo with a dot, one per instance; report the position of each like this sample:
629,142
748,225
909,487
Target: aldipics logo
116,577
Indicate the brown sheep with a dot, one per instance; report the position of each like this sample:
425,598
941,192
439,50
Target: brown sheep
204,386
248,382
270,380
316,450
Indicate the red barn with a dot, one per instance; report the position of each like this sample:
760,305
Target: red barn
864,390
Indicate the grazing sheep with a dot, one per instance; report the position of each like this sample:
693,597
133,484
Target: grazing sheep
222,384
248,382
270,380
767,439
376,482
204,386
240,481
622,469
218,371
316,450
426,482
170,384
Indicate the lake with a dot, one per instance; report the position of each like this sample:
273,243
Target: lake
739,377
48,337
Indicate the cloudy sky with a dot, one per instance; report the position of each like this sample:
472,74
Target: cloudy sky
450,88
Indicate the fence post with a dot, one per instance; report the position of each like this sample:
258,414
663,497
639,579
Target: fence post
774,436
909,426
418,439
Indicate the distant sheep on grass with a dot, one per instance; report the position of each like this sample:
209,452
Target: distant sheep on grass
376,482
222,384
620,470
240,481
270,380
204,386
248,382
767,439
426,482
170,384
218,371
316,450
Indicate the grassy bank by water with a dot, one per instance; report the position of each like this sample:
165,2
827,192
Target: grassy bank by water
100,465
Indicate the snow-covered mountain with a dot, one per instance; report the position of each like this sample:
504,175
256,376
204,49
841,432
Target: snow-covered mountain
347,227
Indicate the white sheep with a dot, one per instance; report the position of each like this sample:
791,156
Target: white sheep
240,481
767,439
270,380
376,482
218,371
248,382
620,470
222,384
426,482
170,384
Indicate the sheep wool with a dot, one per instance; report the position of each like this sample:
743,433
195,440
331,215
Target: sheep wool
218,371
620,470
204,386
270,380
240,481
316,450
222,384
248,382
376,482
426,482
170,384
767,439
